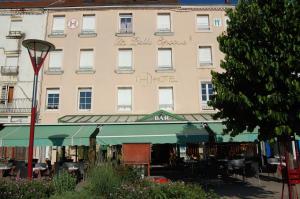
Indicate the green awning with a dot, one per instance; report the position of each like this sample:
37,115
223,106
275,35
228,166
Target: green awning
47,135
152,133
217,128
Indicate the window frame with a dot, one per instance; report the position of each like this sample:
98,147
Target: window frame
170,23
167,107
120,107
206,28
86,68
61,61
124,68
203,103
53,91
88,31
58,32
120,29
85,89
165,67
203,64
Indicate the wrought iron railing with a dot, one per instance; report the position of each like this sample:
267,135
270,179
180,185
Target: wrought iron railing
18,105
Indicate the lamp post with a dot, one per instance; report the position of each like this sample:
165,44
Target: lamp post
38,51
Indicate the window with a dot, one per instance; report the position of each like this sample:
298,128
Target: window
55,62
125,23
11,61
203,22
125,99
217,22
86,59
125,59
7,94
163,23
206,93
205,57
16,25
88,24
164,58
52,98
58,26
166,98
85,98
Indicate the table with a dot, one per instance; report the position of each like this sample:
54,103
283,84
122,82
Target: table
3,169
38,170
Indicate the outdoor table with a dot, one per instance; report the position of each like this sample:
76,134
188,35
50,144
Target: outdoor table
38,170
4,168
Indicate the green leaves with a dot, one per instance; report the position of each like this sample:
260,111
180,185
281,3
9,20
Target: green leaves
261,83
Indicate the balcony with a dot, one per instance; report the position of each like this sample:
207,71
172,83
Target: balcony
9,70
18,105
14,34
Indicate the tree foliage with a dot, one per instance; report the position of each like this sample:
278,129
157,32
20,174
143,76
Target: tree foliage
260,85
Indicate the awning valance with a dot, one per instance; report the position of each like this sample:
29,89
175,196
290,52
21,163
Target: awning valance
152,133
217,128
47,135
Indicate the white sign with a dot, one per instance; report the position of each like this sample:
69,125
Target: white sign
73,23
161,117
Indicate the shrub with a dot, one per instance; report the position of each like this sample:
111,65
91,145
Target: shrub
63,182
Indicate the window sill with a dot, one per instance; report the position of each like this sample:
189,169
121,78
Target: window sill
55,35
204,31
205,107
206,66
52,110
87,34
164,33
54,72
165,70
120,71
125,34
86,71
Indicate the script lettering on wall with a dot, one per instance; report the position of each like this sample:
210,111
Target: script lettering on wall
147,79
138,41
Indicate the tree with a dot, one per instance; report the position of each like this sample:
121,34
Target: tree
260,86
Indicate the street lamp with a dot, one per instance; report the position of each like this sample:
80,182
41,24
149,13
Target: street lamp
38,51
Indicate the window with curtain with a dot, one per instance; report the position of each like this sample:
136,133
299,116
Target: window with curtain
125,23
85,98
55,60
164,58
125,99
164,22
203,22
166,98
58,26
125,59
52,98
206,93
86,59
205,55
88,23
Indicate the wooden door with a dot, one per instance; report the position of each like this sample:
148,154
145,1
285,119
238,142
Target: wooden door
10,95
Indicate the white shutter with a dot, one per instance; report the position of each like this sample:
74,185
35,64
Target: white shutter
124,99
166,98
16,25
125,58
202,22
11,61
164,58
56,59
205,57
88,23
58,24
86,59
163,22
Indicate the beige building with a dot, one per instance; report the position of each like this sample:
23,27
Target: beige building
113,60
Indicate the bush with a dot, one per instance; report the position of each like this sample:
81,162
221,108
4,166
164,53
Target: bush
63,182
25,189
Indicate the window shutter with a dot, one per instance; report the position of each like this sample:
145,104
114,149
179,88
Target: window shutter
88,23
203,22
163,22
205,57
166,97
124,96
86,59
164,58
11,61
58,24
56,59
125,58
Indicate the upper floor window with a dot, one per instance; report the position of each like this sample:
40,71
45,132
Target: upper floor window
205,55
203,22
86,59
85,98
55,60
206,94
16,24
164,22
58,26
125,23
166,98
52,98
88,24
125,59
125,99
164,58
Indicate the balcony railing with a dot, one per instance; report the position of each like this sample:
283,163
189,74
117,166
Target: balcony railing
9,70
14,34
18,105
